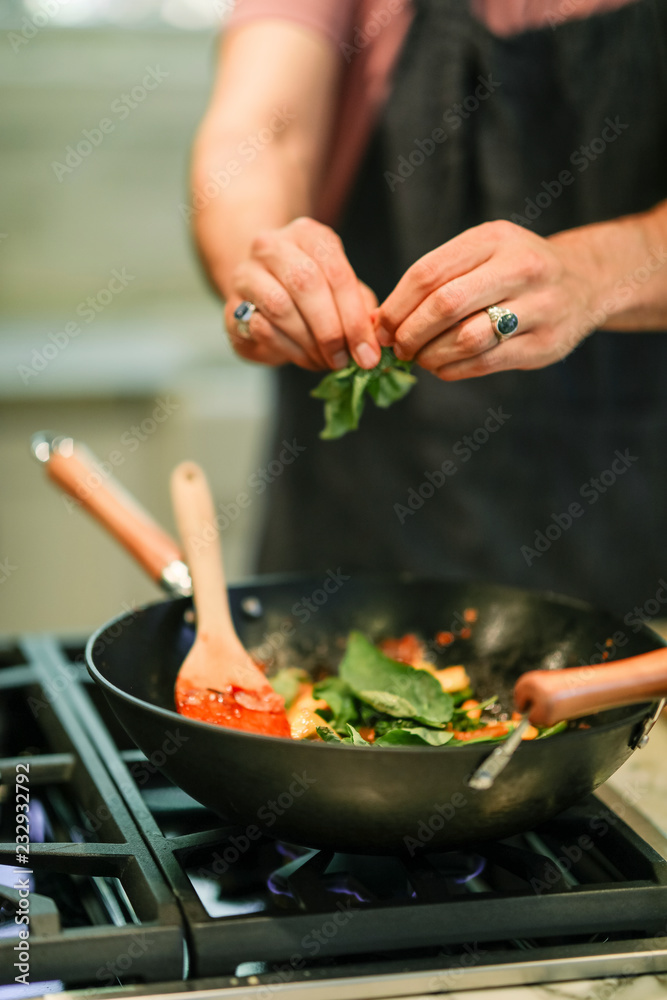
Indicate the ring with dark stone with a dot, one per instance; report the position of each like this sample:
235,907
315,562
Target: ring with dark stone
503,321
243,314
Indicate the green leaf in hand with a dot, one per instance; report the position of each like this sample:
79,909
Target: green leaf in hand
391,386
344,392
391,687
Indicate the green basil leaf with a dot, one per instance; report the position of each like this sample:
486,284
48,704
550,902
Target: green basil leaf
390,704
339,416
458,697
462,720
434,737
334,384
384,725
391,386
352,739
414,736
344,391
355,737
328,735
391,687
340,700
550,730
400,738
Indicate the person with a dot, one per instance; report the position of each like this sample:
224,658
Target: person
444,159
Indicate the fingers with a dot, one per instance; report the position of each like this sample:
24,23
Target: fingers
437,316
541,348
308,292
308,260
447,306
276,310
311,307
325,248
475,335
265,343
453,259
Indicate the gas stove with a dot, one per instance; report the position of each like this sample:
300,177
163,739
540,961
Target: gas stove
129,886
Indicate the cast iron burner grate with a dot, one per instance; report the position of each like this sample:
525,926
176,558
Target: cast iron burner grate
98,905
584,895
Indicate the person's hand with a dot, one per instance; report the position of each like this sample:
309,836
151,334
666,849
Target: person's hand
436,313
311,307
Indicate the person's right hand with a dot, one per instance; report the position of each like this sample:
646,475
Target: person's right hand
311,307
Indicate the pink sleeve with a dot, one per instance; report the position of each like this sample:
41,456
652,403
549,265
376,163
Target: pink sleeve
331,18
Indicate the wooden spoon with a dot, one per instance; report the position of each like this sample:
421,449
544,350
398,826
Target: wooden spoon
218,681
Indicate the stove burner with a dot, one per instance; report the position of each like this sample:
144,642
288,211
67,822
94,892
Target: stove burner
480,864
307,882
127,859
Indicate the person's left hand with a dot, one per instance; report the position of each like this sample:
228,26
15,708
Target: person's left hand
436,313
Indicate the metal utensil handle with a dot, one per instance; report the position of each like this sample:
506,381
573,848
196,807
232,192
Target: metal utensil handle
497,761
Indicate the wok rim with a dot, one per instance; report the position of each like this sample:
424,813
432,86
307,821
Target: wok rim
641,712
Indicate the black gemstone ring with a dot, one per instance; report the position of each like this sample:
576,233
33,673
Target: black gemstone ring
243,314
503,321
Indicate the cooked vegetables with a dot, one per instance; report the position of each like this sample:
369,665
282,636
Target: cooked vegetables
393,688
391,695
344,392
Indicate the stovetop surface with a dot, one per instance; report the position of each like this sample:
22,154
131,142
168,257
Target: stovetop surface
133,884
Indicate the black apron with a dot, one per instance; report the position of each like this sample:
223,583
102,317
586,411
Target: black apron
553,479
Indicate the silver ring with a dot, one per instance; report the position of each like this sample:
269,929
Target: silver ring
503,321
243,314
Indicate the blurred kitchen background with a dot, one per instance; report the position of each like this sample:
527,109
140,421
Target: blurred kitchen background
157,342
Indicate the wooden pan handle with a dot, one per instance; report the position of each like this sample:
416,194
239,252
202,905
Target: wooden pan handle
551,696
73,468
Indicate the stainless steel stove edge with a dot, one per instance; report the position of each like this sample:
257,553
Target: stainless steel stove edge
640,960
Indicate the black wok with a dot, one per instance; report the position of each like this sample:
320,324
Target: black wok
370,799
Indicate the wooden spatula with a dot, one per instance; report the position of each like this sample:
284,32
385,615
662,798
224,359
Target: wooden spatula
218,681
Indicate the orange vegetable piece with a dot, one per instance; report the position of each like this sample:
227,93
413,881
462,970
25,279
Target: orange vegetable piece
470,615
302,714
408,649
494,729
472,711
452,679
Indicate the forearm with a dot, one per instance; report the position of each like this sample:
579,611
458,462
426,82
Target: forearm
626,263
259,152
234,199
